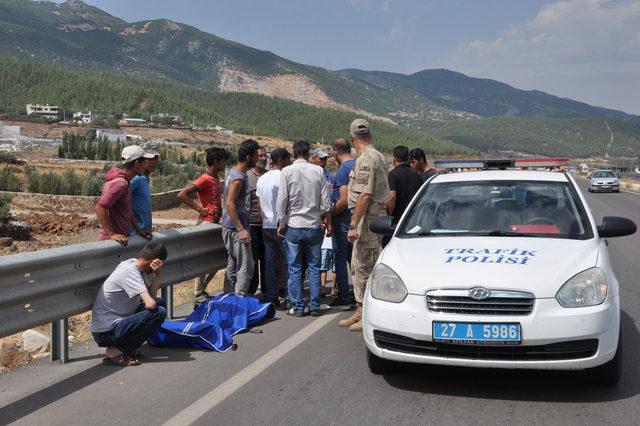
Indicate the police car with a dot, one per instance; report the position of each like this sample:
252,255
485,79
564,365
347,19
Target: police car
497,268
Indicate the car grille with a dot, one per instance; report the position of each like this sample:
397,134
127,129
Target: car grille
499,303
574,349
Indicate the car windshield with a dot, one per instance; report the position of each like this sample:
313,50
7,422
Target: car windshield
603,174
497,208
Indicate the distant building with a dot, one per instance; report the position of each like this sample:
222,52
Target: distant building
126,121
83,117
164,117
47,112
112,135
10,132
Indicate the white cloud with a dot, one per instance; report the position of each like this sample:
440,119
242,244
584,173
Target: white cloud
585,49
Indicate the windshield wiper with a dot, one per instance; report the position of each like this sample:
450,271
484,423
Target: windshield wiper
498,233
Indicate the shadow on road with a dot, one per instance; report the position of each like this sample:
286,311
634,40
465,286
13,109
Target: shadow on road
521,385
79,381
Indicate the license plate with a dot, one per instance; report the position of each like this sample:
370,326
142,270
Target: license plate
605,186
493,333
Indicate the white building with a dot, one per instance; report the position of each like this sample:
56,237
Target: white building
126,121
10,132
165,116
48,112
112,135
83,117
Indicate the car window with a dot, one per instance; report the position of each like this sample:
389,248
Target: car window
603,174
504,208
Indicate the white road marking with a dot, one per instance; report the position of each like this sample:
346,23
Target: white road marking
199,408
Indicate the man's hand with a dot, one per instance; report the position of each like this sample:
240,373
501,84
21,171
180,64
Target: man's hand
244,236
122,239
329,228
281,231
352,235
145,234
156,265
204,211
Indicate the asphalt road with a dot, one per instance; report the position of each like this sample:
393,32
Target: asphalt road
310,371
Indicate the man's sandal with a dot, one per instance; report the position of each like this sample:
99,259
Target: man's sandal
121,360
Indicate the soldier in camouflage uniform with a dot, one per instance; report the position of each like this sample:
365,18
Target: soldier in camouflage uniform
367,197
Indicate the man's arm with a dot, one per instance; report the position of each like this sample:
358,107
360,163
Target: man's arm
134,223
391,203
185,196
103,219
282,206
149,298
362,204
230,206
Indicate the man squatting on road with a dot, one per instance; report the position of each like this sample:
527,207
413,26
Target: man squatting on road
126,311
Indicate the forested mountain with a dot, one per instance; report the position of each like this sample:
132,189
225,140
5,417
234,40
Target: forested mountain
248,113
484,97
145,56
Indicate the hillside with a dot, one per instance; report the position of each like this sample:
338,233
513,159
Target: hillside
154,54
484,97
24,82
573,137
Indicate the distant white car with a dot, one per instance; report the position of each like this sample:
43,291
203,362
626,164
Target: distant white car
604,181
503,269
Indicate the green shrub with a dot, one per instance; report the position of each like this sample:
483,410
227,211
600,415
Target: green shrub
8,180
5,204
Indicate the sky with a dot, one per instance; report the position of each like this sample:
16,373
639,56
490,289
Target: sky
587,50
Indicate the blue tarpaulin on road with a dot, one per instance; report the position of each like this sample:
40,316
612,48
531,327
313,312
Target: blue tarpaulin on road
213,324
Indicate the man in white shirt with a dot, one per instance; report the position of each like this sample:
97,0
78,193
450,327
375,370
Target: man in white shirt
267,193
126,311
303,201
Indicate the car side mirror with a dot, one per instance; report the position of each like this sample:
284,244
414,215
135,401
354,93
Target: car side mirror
383,226
613,226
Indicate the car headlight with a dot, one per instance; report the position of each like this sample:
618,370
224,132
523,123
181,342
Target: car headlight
386,285
588,288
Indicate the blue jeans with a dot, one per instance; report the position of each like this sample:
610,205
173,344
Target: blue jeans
304,244
131,332
274,253
341,256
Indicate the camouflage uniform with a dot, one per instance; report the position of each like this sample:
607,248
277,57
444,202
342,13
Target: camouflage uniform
369,176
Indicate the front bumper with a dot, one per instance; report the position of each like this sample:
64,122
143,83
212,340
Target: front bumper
549,325
605,188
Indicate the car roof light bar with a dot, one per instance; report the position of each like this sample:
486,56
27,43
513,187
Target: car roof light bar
493,164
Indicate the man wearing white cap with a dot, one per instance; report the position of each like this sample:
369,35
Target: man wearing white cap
113,209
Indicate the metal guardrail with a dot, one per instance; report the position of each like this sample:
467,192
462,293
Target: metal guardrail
51,285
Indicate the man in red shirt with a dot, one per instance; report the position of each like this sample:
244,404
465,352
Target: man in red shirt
209,193
113,209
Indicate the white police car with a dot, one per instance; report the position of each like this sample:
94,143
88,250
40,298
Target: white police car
503,269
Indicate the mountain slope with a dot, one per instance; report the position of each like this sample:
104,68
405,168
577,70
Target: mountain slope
484,97
23,82
443,103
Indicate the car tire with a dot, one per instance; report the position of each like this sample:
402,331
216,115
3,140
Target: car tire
608,374
379,365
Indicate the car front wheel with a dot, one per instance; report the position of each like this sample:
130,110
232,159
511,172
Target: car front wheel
379,365
608,374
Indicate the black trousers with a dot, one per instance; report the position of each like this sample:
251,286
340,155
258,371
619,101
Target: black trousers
257,248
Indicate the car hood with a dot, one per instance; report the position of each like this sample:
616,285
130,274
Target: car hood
537,265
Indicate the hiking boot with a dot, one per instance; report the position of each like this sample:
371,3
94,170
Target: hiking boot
356,327
356,317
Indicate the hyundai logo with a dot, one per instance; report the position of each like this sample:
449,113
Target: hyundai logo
479,293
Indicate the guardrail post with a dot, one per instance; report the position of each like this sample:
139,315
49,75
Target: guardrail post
60,340
167,295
